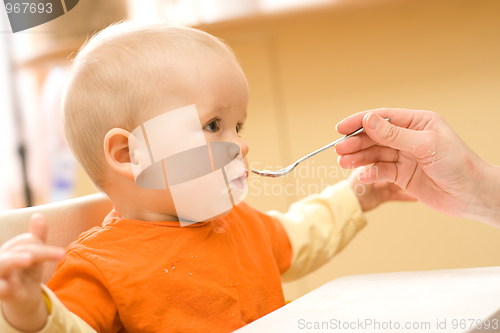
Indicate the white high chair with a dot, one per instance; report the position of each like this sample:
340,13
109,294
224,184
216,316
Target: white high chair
67,220
433,297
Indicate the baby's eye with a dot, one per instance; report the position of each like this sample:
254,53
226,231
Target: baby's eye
212,126
239,128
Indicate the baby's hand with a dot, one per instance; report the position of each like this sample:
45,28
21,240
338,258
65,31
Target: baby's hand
372,195
21,267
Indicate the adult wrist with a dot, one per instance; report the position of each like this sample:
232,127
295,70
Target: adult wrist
485,204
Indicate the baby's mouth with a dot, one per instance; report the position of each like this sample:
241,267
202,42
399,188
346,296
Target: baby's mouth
238,182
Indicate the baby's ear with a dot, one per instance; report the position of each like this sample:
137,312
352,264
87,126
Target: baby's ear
116,151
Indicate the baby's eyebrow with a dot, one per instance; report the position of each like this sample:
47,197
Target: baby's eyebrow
220,109
245,114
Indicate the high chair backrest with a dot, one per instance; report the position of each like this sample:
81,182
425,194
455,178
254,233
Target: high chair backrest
67,220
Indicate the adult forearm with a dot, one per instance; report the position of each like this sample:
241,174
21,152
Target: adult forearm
485,205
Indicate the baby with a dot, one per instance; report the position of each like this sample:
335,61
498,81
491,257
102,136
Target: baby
143,270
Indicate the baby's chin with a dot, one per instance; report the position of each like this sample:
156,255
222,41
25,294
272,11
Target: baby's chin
193,205
218,216
156,203
171,214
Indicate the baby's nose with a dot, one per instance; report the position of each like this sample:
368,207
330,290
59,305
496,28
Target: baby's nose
233,151
243,147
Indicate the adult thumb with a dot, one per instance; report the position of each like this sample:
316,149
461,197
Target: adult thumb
387,134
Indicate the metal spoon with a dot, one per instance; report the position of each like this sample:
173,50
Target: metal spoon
284,171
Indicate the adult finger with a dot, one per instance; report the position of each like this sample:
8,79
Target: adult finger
396,137
354,144
39,227
414,119
368,156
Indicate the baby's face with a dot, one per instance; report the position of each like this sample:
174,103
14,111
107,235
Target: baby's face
221,97
219,91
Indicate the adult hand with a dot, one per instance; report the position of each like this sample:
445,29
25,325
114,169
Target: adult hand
372,195
21,265
421,153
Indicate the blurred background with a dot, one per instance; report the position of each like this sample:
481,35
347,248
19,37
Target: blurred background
309,64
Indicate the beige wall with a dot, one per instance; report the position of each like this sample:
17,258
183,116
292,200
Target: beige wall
308,71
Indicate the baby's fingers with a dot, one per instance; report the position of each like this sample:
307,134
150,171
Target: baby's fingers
11,261
390,191
38,226
40,252
12,287
37,234
24,256
4,288
379,171
26,238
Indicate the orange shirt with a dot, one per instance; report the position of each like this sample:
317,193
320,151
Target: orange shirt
135,276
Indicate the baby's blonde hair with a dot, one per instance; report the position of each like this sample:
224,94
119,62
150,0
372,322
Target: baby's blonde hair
115,81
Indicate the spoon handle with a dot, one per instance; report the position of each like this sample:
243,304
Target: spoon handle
334,143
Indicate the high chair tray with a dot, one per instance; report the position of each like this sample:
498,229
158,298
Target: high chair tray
458,300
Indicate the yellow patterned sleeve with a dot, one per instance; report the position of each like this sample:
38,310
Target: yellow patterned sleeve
319,226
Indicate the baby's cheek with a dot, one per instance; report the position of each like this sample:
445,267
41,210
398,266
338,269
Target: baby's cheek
160,201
